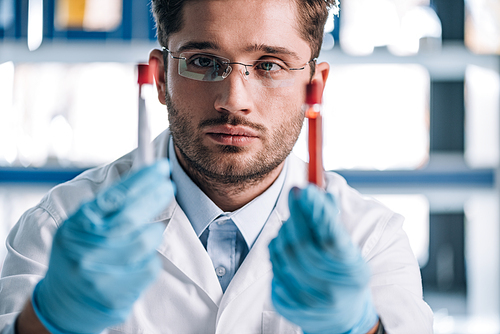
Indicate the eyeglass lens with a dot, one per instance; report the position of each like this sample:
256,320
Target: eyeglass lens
205,67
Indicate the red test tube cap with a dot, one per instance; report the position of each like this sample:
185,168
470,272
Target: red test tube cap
313,93
145,75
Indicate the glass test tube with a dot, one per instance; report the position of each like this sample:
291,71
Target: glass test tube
315,133
145,154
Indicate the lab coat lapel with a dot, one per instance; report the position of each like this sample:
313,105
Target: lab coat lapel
184,250
181,245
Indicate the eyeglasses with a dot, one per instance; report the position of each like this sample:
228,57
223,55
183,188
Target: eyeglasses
268,72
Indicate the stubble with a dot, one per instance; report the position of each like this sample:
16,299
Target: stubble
228,166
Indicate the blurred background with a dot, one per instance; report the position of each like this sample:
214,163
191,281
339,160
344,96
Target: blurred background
411,117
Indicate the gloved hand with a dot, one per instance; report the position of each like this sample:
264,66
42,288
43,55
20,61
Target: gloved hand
104,255
320,279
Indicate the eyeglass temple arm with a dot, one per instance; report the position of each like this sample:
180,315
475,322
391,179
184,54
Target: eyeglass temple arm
301,68
164,49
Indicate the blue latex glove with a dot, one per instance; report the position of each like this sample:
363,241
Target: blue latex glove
320,279
104,255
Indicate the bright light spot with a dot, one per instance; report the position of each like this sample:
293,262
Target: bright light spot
415,209
102,15
447,324
482,255
403,26
384,29
89,15
330,22
387,128
61,137
8,151
483,325
99,105
443,323
35,24
104,112
25,146
482,26
367,24
157,112
420,28
482,114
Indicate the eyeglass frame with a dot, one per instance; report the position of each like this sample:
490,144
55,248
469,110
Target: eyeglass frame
228,63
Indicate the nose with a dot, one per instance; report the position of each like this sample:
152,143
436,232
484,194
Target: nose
234,94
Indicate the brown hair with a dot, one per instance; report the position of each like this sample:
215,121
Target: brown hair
312,15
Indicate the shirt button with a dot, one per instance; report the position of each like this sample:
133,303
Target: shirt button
220,271
221,222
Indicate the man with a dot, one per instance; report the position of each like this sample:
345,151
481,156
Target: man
232,74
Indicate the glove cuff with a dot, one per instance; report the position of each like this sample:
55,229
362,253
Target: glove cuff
367,321
51,328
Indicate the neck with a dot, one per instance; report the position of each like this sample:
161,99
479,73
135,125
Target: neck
229,197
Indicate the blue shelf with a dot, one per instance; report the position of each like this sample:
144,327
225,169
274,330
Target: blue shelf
38,175
483,178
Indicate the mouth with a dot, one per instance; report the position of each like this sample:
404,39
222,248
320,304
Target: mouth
232,135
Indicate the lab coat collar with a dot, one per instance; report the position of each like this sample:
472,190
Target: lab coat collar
180,244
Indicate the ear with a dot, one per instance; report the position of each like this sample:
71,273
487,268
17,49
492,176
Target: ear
321,73
156,62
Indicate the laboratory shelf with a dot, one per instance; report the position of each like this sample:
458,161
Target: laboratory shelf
38,175
477,178
446,63
69,51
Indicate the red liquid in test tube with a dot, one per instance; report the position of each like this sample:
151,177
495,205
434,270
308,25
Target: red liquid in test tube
315,133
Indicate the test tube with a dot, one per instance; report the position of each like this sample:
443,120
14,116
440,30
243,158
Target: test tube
145,154
315,133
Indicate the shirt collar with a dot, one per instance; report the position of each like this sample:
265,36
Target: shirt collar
201,211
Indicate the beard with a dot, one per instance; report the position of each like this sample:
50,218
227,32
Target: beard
228,165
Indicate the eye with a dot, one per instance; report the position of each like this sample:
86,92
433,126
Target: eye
202,61
269,66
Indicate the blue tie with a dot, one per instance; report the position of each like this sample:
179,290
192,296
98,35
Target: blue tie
221,247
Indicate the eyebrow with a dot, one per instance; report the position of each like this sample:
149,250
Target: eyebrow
272,50
198,46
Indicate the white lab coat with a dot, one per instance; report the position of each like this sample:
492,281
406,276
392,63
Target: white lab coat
187,297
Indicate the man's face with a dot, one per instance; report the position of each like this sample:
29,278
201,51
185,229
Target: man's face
235,130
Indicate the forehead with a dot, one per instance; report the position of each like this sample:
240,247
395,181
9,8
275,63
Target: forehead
241,25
